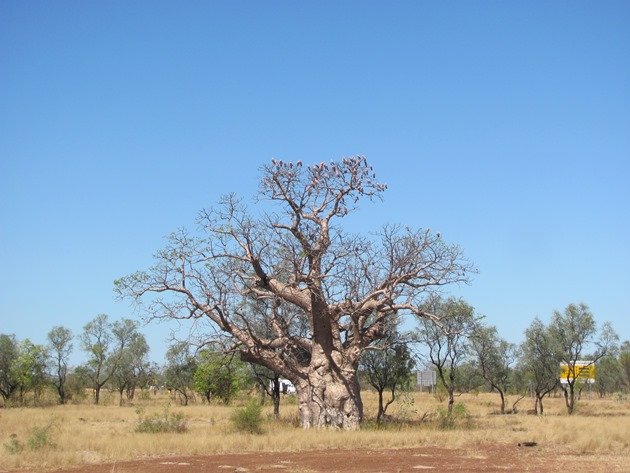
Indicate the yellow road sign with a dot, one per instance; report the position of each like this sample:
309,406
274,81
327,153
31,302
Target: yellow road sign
583,370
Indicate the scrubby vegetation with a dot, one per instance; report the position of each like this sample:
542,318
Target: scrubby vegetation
165,422
84,433
248,418
457,417
39,437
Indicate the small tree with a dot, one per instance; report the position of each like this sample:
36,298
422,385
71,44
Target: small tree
77,382
105,344
387,367
219,375
60,347
151,377
539,362
29,368
96,341
269,384
468,376
8,355
495,358
519,385
609,376
180,370
624,361
131,362
265,326
574,331
446,341
140,365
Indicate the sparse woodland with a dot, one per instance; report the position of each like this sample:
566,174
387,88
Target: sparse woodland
286,293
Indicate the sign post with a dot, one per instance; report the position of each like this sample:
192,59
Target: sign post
427,378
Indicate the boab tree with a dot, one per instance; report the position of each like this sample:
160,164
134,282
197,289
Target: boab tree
298,263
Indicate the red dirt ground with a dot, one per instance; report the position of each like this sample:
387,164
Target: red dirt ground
488,458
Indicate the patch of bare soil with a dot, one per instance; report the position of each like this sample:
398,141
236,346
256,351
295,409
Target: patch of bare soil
481,459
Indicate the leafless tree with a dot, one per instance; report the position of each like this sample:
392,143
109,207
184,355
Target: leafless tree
296,258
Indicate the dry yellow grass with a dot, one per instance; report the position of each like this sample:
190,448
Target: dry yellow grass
95,434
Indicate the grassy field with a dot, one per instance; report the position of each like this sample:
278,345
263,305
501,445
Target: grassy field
72,435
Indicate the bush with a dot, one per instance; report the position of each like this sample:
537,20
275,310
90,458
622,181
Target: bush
458,418
161,423
440,393
248,418
406,407
14,446
38,439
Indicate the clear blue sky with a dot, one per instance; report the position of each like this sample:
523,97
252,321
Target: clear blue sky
503,125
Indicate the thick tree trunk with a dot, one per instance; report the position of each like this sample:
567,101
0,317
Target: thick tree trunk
328,393
327,401
502,402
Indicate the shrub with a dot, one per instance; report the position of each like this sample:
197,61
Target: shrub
248,418
14,446
406,407
39,438
161,423
458,418
440,392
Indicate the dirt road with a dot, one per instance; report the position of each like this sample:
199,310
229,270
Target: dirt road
481,459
